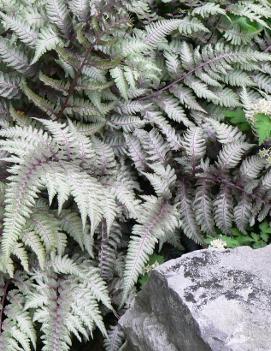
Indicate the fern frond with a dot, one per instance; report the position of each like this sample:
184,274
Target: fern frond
43,104
55,84
252,166
60,313
242,213
223,206
186,97
17,330
105,162
21,194
162,179
34,16
226,133
71,223
87,273
27,137
203,206
227,97
73,143
31,240
115,339
174,111
194,143
232,153
47,40
154,145
135,152
266,180
127,123
263,81
238,78
108,251
109,210
120,80
88,201
124,193
46,228
94,73
208,9
189,25
20,253
172,137
200,89
157,31
188,220
157,216
60,178
58,14
24,32
82,108
9,86
172,62
131,108
80,8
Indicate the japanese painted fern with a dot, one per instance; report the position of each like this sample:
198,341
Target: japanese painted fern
114,141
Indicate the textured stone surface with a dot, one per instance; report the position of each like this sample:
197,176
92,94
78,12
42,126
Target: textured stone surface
206,300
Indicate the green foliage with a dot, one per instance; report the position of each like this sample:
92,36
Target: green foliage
125,125
237,117
257,238
263,127
246,25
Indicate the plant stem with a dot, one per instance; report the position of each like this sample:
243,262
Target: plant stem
184,76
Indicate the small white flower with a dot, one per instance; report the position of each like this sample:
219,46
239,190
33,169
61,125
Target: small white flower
263,106
218,244
149,268
265,153
259,106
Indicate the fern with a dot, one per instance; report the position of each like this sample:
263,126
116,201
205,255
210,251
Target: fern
17,330
118,75
190,25
223,209
47,40
14,57
21,28
9,86
203,206
115,339
108,250
40,168
80,8
189,223
43,104
208,9
56,303
232,153
58,14
156,32
157,217
120,133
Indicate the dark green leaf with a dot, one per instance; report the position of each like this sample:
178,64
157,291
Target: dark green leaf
263,127
237,118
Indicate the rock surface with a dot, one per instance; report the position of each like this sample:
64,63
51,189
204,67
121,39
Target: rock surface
207,300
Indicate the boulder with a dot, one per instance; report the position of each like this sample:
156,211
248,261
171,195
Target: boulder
213,299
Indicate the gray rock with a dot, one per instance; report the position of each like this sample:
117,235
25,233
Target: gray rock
207,300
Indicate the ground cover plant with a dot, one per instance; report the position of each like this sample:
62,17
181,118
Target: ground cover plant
126,127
